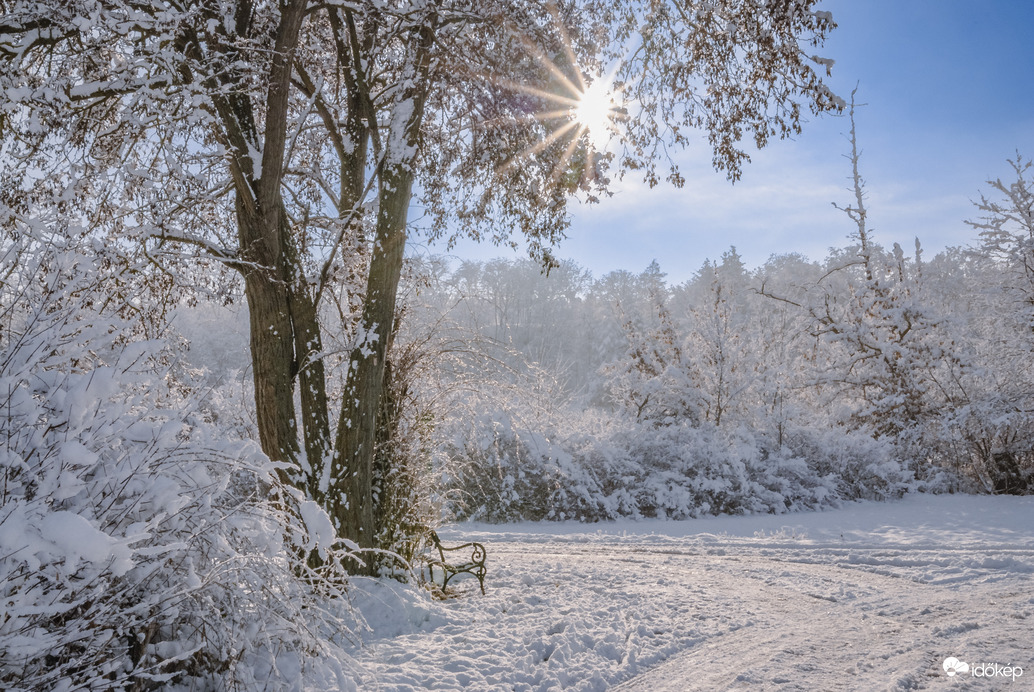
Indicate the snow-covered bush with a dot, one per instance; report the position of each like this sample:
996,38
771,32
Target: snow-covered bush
986,444
856,465
686,473
503,472
140,547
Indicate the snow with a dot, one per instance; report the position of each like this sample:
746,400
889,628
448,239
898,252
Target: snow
59,536
73,537
318,526
869,596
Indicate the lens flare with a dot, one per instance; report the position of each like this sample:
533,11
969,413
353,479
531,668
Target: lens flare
595,112
582,116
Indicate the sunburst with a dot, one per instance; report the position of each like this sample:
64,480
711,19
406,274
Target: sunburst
597,112
584,112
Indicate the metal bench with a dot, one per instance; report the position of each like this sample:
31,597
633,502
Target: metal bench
475,564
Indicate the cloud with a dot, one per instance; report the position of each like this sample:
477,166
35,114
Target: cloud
782,204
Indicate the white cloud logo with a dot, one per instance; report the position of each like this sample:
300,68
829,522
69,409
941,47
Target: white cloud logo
953,665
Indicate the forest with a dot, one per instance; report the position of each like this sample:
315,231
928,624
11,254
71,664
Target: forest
227,392
795,385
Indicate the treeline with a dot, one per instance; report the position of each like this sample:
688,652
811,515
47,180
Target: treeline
792,385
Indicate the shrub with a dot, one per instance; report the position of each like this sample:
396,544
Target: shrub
140,547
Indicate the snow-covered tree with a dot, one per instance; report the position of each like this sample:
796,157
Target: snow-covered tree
654,379
885,359
989,435
1007,235
718,344
286,140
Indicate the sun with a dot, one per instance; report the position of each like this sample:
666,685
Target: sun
595,112
583,111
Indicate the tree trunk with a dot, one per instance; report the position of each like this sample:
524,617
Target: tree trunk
266,251
351,498
308,368
352,471
272,347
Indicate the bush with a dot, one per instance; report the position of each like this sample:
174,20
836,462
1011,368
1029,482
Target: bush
505,473
674,471
141,548
986,444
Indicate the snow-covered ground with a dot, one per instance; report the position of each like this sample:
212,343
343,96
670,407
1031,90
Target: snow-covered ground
872,596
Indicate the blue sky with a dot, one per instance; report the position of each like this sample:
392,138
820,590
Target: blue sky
949,93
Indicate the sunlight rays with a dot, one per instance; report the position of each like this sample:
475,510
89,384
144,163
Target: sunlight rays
587,112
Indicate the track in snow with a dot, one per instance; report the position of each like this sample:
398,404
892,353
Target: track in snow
848,607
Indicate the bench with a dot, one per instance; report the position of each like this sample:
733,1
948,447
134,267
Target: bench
475,564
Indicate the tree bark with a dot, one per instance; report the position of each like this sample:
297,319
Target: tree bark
352,471
265,243
272,348
308,369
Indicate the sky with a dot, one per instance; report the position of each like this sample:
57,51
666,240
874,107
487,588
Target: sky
948,88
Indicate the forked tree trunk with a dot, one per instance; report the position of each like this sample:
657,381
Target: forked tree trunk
283,321
351,500
286,344
285,333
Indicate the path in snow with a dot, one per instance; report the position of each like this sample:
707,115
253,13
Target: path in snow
856,621
869,597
